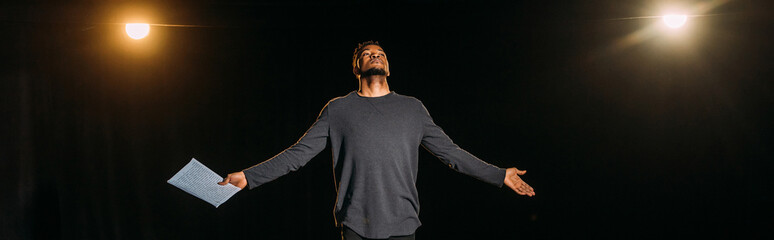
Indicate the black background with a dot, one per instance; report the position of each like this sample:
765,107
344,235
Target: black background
626,131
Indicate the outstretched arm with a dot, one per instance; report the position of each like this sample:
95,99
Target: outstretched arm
291,159
441,146
513,181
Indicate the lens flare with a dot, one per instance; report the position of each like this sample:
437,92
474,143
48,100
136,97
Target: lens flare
675,21
137,30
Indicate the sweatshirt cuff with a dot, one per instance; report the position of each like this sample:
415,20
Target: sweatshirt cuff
252,178
499,177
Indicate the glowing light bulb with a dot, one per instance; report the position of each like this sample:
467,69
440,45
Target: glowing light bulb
137,30
675,21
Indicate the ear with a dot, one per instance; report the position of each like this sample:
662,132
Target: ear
356,68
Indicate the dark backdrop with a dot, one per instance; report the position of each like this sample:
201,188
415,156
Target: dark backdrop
624,134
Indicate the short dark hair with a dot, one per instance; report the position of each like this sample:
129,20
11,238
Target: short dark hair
356,55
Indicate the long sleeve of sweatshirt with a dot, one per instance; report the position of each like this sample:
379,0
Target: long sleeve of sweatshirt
294,157
440,145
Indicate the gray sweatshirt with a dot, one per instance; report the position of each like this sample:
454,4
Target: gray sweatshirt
375,144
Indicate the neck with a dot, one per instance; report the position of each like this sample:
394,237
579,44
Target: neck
373,86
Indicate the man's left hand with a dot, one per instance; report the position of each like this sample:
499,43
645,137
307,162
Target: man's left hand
513,181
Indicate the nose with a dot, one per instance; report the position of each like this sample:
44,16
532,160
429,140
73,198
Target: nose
375,56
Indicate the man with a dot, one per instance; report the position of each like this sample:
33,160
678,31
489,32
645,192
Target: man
375,136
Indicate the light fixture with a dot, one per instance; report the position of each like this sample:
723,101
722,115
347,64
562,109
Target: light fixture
137,30
675,21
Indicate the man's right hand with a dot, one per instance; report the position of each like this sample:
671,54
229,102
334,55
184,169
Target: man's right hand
237,179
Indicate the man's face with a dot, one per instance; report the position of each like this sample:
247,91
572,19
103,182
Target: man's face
372,59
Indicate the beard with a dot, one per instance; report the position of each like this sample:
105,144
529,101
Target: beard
373,72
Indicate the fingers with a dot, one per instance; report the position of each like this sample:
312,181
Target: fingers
525,189
237,179
520,187
513,181
226,180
